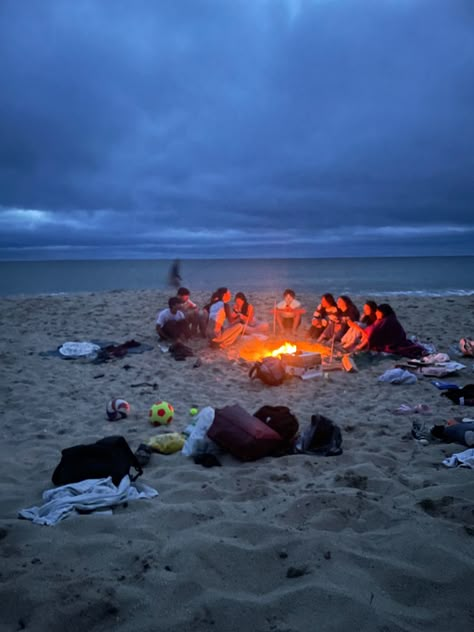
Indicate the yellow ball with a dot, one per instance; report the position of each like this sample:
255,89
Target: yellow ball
161,414
193,411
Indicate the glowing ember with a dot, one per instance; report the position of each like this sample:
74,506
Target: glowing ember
285,348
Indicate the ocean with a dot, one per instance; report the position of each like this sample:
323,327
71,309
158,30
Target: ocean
423,276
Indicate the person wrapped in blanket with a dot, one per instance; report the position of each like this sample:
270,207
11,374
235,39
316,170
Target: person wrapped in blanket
387,335
244,312
325,314
220,331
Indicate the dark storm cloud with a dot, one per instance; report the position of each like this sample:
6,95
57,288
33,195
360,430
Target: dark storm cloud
284,127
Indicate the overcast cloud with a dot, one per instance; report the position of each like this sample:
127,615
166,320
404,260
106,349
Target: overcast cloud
220,128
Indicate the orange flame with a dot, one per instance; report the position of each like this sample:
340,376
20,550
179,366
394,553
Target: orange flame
285,348
253,350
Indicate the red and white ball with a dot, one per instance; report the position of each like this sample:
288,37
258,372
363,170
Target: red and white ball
161,414
117,409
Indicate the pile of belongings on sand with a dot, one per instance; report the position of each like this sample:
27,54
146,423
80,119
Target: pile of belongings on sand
270,431
433,365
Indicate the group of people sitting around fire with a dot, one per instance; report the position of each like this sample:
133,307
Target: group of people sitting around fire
218,321
337,322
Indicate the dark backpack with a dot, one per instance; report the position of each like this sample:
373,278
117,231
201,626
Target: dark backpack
280,419
323,437
111,456
463,396
270,370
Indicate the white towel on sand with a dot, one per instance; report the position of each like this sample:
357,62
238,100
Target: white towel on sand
85,496
463,459
78,349
397,376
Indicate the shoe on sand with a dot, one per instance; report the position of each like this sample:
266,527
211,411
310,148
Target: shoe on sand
143,454
421,432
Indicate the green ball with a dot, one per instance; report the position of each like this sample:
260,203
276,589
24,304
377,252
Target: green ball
193,411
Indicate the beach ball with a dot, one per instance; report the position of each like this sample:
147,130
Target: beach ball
117,409
161,414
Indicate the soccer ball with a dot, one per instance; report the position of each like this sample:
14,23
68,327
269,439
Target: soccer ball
117,409
161,414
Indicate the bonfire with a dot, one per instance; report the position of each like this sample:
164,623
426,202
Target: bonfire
255,349
302,358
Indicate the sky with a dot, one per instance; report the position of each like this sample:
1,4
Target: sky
236,128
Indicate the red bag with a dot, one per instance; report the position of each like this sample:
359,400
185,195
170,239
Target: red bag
244,436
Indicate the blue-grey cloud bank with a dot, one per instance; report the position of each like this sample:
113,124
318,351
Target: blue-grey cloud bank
243,128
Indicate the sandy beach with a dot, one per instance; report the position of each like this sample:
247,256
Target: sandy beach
379,539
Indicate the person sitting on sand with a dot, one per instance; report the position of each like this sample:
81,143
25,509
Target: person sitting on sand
194,319
352,336
325,313
339,322
288,312
369,315
243,312
387,335
219,312
171,323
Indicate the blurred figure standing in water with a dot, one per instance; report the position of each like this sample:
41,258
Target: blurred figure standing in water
174,277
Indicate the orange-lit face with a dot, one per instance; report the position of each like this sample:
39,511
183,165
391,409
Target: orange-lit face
227,296
239,304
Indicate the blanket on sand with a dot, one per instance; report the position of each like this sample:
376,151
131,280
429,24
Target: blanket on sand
85,497
97,351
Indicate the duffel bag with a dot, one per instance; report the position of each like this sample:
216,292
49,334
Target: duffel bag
243,435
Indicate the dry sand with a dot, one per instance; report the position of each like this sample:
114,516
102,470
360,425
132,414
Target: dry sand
380,538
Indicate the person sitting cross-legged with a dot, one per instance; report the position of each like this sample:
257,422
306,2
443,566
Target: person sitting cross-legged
170,323
288,313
